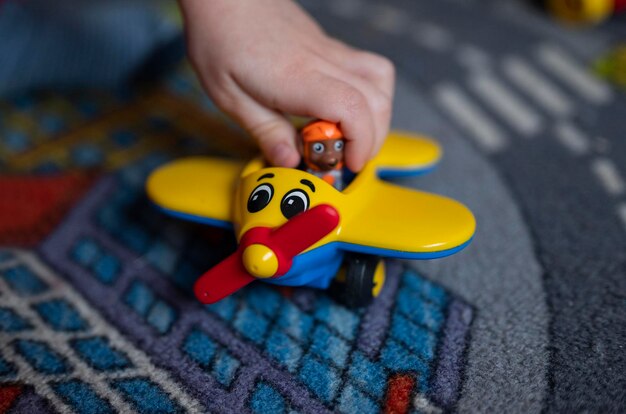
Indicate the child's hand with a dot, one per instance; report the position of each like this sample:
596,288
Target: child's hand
262,59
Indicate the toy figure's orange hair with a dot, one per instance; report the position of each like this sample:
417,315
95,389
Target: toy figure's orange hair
321,130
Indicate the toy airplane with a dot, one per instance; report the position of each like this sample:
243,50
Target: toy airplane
295,229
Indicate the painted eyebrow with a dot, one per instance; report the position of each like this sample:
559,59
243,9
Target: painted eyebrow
268,175
309,184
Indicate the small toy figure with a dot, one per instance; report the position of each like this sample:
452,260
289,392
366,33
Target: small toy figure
323,144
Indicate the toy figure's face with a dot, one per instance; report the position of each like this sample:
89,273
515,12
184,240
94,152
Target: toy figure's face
326,155
271,196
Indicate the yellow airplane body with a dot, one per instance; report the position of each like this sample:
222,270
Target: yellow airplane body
374,216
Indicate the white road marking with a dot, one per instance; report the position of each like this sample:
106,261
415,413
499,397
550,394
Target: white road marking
487,135
621,212
504,102
348,9
389,19
609,175
423,405
24,371
601,144
536,85
59,341
473,58
571,72
431,36
7,264
571,137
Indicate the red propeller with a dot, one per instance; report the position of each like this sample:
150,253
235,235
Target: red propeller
285,242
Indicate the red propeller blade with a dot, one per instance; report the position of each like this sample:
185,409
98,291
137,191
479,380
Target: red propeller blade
287,241
304,230
223,279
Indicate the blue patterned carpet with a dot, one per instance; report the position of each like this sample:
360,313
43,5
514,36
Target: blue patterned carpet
96,309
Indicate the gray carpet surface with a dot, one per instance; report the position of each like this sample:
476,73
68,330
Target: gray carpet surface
544,173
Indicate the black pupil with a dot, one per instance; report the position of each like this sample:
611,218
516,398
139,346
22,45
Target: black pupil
258,201
292,205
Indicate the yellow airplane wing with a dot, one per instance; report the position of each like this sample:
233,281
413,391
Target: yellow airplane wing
406,154
382,218
197,188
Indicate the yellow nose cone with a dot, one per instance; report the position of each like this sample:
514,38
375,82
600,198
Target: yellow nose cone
260,261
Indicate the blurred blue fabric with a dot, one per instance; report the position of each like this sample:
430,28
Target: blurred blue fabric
70,44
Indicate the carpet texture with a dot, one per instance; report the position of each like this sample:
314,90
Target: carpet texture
97,313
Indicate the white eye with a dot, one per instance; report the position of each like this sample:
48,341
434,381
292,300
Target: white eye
260,197
318,147
338,145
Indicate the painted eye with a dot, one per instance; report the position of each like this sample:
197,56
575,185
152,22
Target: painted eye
318,147
338,145
260,198
294,202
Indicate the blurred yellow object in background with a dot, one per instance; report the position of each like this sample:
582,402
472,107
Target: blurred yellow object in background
581,11
612,66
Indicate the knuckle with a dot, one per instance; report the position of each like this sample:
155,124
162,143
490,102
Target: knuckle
381,104
351,100
295,68
386,67
225,100
265,130
380,66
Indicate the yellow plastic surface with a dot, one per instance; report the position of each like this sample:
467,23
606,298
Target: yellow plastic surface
379,278
260,261
200,186
405,151
372,212
387,216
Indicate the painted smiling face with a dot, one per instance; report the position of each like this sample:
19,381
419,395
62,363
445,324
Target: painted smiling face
269,197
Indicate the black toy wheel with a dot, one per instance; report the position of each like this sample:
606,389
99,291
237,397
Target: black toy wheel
364,278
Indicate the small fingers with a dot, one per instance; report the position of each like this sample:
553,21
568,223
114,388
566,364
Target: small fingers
378,69
367,71
374,67
274,134
379,103
336,100
314,94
